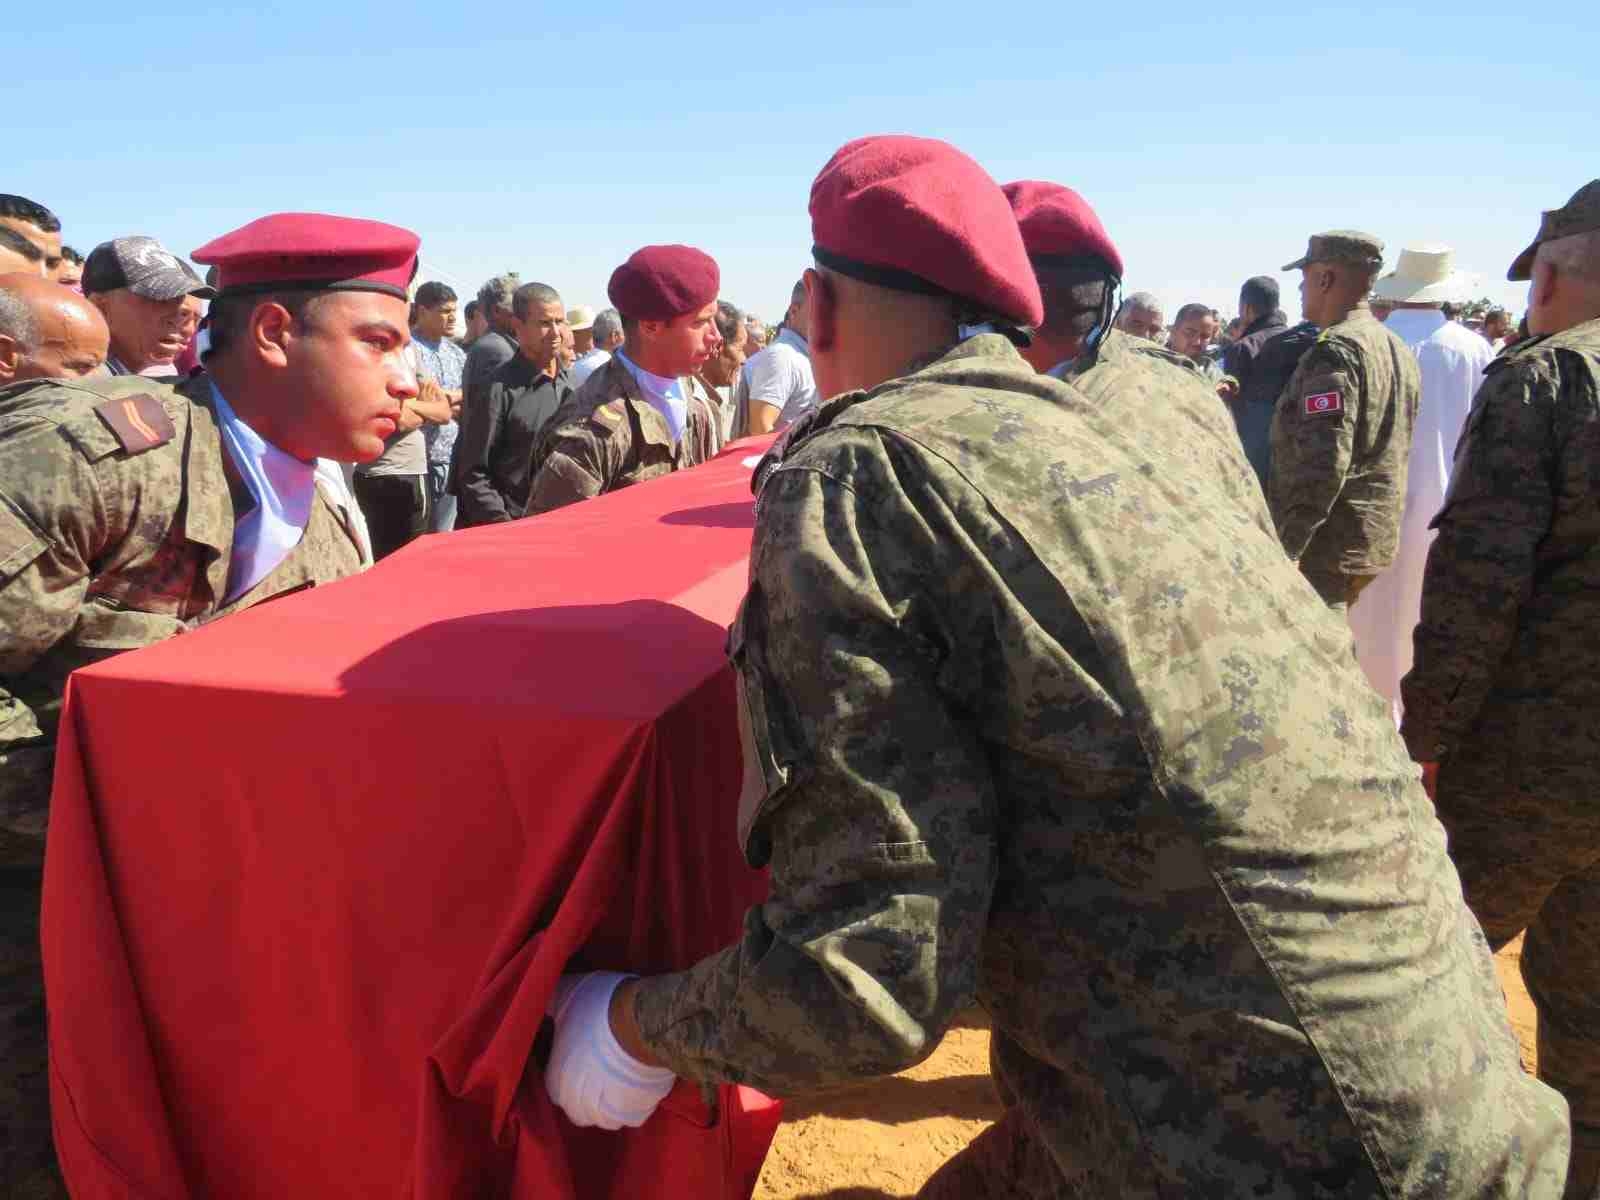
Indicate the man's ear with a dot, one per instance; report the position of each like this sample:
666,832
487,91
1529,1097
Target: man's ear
821,309
271,332
10,357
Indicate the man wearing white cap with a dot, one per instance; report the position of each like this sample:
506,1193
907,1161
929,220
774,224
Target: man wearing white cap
1452,359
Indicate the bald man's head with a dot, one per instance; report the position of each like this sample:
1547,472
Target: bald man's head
48,331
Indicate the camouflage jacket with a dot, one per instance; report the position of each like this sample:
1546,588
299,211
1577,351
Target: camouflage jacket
606,436
1034,714
1508,649
104,548
1341,439
1131,371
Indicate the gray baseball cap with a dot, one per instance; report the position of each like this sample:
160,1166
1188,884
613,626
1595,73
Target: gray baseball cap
145,267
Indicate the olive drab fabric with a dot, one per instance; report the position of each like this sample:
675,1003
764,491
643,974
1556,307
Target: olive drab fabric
1042,718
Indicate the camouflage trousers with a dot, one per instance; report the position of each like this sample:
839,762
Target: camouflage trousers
1531,863
27,1153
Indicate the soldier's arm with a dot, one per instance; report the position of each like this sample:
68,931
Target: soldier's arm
1313,435
53,525
1480,568
574,465
480,428
873,800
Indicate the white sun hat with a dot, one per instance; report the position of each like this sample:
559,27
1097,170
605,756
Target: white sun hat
1424,276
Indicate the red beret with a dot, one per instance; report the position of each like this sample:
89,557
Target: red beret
917,215
658,283
1057,223
311,250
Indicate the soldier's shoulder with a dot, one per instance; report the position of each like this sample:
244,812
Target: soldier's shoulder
98,419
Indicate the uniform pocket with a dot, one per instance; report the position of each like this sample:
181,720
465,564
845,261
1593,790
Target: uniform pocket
764,747
21,541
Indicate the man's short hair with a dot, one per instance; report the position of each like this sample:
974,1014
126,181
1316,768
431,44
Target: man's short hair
797,294
497,293
15,242
728,320
433,293
1140,302
68,254
20,208
1260,292
1074,297
471,310
1190,312
1577,255
17,321
529,294
607,324
228,315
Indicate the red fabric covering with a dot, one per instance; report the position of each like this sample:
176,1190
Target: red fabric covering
659,283
303,248
313,870
1057,222
922,207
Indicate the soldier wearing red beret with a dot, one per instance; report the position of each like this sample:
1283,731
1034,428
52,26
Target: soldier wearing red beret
645,413
1034,717
130,511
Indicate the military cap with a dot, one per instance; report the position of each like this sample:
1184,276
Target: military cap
145,267
658,283
1581,214
917,215
1341,245
315,252
1059,228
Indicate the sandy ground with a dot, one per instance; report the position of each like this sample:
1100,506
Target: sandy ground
885,1139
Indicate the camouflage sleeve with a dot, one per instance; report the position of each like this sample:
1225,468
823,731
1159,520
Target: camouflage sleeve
1480,569
873,805
1313,436
52,526
574,464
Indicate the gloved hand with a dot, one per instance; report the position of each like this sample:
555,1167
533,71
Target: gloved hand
590,1077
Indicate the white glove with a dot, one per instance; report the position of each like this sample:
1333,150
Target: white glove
590,1077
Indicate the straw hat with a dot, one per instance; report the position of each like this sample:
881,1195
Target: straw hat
1424,276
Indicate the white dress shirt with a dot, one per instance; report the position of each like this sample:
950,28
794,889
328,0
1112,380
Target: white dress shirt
1452,359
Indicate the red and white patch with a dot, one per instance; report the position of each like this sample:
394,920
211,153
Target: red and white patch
1324,402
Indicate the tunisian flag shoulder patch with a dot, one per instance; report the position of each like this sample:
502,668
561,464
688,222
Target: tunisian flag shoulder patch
1321,403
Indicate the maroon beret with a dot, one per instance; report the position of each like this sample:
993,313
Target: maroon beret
313,251
918,215
1058,224
658,283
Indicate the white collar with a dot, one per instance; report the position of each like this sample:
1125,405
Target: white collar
662,393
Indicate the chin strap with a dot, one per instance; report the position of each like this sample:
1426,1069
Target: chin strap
1108,311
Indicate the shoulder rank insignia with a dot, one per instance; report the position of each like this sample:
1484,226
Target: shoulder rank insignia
139,422
608,414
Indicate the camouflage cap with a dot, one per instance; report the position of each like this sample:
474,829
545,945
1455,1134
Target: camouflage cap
1581,214
1341,245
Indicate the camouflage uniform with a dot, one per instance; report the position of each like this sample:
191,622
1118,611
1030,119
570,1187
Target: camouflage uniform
1034,715
606,436
1341,439
1505,691
101,551
1127,370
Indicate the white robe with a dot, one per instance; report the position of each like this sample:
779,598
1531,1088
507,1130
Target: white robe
1452,359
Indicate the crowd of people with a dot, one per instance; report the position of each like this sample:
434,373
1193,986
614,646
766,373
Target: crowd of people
1124,676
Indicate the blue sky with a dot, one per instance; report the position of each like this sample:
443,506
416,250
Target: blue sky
556,140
